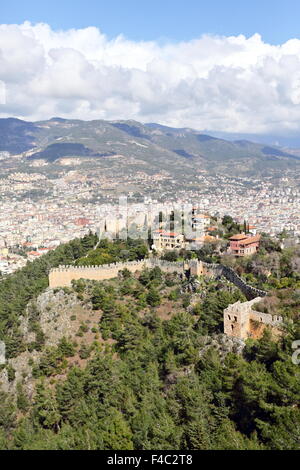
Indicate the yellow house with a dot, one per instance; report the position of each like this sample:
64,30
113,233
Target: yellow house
163,240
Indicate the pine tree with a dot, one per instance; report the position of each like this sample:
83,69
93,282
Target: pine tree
153,297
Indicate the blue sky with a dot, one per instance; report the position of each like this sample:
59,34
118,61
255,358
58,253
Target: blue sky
163,68
276,20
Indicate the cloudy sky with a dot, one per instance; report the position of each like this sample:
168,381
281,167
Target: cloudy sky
229,82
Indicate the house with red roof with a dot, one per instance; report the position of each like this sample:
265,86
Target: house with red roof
163,240
244,245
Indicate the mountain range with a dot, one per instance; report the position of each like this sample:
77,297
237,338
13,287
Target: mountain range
155,146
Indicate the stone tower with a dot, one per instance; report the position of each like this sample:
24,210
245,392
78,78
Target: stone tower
241,321
196,267
237,320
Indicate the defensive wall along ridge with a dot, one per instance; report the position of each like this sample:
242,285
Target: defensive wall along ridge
64,275
240,320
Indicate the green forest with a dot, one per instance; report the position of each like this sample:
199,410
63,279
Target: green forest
148,367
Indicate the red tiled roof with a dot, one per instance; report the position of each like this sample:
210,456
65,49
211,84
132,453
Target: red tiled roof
239,236
170,234
167,234
251,240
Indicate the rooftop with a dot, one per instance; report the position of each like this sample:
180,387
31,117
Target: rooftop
239,236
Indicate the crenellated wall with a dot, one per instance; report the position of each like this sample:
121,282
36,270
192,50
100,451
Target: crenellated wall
218,270
239,319
250,292
242,322
63,276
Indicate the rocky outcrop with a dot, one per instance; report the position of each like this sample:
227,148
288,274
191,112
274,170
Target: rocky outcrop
22,371
53,312
223,344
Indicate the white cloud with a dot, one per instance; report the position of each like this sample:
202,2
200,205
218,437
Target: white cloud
229,84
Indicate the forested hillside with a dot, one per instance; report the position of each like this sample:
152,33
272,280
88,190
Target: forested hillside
143,362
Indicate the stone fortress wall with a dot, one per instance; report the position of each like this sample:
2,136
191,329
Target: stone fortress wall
242,322
249,291
64,275
238,318
219,270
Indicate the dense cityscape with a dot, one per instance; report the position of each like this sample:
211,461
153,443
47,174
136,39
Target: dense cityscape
39,213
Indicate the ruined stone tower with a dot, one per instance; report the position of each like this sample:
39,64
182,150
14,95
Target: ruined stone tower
242,322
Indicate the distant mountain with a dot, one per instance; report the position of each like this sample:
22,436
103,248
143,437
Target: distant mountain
155,146
289,141
16,136
54,151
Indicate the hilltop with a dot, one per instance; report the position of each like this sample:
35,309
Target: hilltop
152,147
140,361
